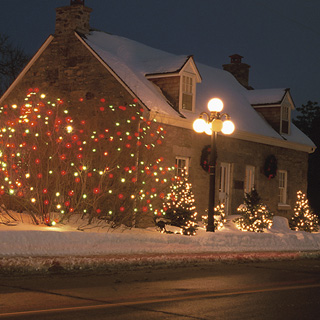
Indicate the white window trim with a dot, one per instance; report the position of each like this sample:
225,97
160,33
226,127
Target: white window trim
187,160
283,189
194,79
247,188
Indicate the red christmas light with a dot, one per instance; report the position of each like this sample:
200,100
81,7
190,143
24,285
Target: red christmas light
96,190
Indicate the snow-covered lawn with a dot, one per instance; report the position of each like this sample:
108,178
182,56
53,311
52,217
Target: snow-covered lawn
38,247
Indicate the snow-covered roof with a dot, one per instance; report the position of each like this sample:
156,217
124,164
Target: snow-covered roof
265,96
132,61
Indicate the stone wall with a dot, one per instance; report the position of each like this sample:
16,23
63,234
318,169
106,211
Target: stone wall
239,154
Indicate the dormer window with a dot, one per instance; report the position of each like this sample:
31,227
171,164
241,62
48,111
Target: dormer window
179,87
187,92
285,119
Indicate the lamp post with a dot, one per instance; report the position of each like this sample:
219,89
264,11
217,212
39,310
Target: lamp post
214,123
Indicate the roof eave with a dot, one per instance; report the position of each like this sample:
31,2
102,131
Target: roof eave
238,134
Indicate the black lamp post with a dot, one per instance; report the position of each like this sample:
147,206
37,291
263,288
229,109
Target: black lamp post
215,122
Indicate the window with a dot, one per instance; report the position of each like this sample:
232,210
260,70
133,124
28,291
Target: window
187,93
224,185
182,163
249,179
285,119
282,186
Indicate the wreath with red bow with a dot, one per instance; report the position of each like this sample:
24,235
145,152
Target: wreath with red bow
204,160
270,167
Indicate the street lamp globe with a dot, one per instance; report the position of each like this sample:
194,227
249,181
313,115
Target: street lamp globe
215,105
199,125
217,125
227,127
208,129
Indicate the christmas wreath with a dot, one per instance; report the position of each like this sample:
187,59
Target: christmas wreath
204,160
270,167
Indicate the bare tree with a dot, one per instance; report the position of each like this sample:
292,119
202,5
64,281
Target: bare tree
12,60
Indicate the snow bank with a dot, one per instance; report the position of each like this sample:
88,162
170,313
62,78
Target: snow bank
29,240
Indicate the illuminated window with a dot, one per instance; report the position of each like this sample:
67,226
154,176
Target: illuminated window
188,93
182,163
249,179
282,176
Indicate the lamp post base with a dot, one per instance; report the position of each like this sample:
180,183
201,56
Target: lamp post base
210,229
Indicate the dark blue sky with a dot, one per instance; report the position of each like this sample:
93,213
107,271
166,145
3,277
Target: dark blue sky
280,39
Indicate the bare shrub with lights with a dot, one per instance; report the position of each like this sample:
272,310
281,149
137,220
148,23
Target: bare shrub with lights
303,219
255,216
97,163
179,208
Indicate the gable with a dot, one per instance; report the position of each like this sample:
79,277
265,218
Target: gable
60,69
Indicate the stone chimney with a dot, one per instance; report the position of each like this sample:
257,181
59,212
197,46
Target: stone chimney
239,70
73,18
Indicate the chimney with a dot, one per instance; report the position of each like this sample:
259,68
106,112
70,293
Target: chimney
239,70
73,18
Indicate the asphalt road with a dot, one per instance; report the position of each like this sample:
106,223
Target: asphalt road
251,290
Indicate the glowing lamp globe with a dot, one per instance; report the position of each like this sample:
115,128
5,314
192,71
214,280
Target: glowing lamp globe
215,105
199,125
228,127
217,125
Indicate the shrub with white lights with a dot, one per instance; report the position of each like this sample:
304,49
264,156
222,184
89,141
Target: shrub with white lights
303,219
255,216
219,217
179,208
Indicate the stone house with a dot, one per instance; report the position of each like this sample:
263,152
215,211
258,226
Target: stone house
79,61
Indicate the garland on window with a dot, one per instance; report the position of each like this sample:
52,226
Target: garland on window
270,167
204,160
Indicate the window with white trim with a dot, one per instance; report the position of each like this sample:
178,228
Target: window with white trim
188,92
282,176
182,164
285,119
249,179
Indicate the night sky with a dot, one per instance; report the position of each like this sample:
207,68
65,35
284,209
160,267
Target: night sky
280,39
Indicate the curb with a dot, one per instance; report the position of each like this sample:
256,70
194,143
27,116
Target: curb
112,263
